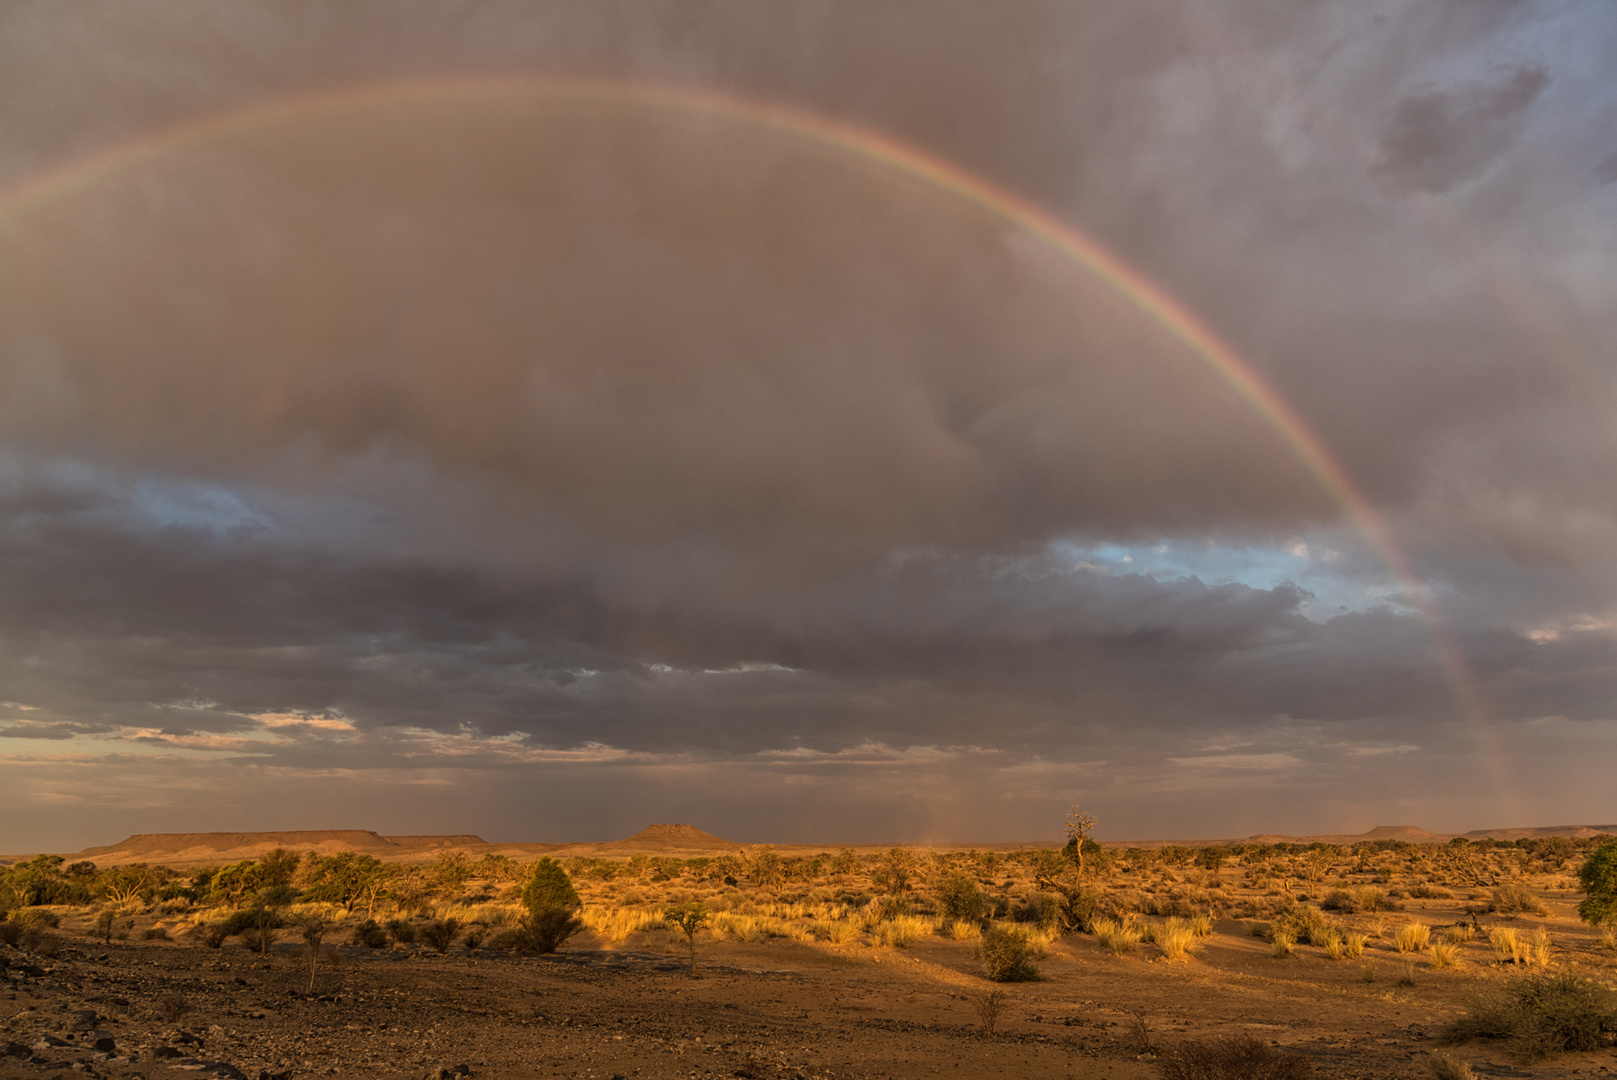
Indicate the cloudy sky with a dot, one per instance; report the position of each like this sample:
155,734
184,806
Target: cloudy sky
542,419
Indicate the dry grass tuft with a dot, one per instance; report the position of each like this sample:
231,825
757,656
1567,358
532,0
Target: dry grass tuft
1448,1067
1120,936
1413,937
1240,1058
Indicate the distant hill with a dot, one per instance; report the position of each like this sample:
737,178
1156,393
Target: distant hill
670,838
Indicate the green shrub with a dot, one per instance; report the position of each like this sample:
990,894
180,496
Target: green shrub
549,888
1006,956
1539,1015
402,932
959,900
1598,876
1239,1058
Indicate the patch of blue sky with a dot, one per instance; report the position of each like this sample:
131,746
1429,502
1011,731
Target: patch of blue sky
1335,579
165,502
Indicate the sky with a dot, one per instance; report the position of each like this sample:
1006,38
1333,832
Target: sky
818,423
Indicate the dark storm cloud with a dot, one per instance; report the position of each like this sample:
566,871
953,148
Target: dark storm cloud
488,430
1440,138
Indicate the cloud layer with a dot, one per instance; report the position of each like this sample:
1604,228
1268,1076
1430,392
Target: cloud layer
584,464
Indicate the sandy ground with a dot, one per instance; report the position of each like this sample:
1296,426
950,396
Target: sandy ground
781,1009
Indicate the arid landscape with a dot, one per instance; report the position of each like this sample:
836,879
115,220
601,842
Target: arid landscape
186,954
438,439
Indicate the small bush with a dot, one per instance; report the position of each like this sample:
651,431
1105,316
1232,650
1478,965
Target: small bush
1446,1067
1539,1015
1043,909
1514,898
1444,954
156,933
441,934
402,932
990,1007
1306,925
11,932
1240,1058
1281,943
369,934
173,1006
1006,955
545,931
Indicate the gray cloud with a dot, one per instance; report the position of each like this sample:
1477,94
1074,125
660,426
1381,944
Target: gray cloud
427,443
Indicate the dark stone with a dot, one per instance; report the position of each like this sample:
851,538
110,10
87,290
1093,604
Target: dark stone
105,1043
222,1069
265,1074
17,1050
163,1053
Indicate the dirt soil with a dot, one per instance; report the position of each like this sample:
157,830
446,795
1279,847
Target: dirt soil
782,1009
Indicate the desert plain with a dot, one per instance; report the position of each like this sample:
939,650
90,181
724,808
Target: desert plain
1343,957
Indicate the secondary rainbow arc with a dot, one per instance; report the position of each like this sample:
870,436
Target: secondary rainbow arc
886,152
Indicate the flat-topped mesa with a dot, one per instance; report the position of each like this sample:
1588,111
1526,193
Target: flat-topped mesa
459,840
654,837
1413,834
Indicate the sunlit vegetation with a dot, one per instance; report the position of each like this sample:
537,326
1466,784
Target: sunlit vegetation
1455,912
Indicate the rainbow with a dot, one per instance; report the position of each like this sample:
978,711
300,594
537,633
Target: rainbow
849,141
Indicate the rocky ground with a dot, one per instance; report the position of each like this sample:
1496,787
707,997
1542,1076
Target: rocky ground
777,1010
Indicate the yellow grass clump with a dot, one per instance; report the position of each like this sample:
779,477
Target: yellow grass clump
1444,954
900,930
1119,936
1538,948
962,930
615,924
1506,944
835,931
1281,942
1177,939
1413,937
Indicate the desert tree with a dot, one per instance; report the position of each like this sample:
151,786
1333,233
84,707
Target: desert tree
1080,823
688,920
314,930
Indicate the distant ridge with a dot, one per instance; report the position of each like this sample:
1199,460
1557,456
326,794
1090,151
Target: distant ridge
235,846
1409,834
